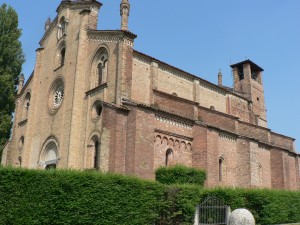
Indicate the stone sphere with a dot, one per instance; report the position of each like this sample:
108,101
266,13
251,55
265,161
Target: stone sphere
241,217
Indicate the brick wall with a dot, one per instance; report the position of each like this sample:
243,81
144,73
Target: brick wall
228,151
277,170
212,168
216,119
264,159
282,141
170,83
253,131
173,104
141,82
209,96
243,163
239,108
199,147
293,173
144,144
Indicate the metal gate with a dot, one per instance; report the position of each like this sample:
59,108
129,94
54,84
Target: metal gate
212,211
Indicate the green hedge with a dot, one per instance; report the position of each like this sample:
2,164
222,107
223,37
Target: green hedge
72,197
179,174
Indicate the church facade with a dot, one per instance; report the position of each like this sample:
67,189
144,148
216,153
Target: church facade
95,102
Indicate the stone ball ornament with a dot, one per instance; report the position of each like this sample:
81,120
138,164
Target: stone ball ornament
241,217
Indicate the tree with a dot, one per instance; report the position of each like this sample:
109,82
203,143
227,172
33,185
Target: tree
11,60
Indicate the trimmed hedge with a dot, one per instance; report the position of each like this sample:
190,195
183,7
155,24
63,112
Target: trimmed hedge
180,174
73,197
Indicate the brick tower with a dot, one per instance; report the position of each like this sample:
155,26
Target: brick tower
248,83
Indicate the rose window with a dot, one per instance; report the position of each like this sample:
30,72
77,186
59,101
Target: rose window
58,96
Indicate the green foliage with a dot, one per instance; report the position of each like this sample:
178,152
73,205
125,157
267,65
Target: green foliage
89,197
179,174
11,60
73,197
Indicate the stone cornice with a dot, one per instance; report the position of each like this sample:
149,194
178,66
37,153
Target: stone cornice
174,122
227,136
112,36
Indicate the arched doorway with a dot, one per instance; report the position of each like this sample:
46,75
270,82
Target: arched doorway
49,156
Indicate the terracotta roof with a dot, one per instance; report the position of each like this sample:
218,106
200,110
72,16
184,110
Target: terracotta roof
252,64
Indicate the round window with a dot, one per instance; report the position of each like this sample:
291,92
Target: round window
96,110
56,95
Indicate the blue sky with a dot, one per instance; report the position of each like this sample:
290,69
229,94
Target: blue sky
201,37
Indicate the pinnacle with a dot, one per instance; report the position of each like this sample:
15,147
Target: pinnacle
125,2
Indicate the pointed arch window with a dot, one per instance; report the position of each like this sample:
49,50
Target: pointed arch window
260,175
97,155
102,68
62,56
26,105
100,73
99,68
221,168
62,26
21,143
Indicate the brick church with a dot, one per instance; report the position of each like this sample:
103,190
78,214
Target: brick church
95,102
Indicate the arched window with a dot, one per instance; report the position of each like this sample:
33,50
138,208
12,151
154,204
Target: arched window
96,110
62,56
100,73
62,26
260,175
96,155
99,68
21,143
26,105
27,100
102,68
169,157
221,168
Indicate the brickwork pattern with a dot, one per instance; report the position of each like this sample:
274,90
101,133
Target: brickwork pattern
147,107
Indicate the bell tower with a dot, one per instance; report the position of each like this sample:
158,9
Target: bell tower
248,83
